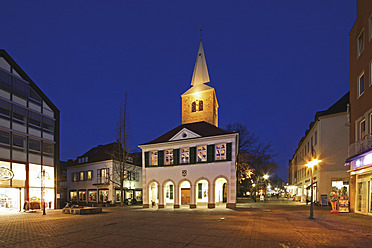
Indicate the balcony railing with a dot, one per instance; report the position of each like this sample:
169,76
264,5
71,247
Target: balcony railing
361,145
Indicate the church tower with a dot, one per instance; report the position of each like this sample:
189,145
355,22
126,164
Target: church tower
199,103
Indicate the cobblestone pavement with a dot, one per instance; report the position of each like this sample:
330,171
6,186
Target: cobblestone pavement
272,224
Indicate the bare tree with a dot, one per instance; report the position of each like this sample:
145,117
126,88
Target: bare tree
121,169
254,159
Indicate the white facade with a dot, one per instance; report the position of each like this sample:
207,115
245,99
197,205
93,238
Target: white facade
208,182
327,140
91,183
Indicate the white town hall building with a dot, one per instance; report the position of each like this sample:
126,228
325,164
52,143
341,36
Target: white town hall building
195,163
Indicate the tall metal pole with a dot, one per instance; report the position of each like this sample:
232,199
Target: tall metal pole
43,190
312,192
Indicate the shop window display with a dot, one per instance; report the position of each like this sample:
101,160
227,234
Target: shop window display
92,194
103,195
82,196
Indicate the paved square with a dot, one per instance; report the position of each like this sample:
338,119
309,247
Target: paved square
275,224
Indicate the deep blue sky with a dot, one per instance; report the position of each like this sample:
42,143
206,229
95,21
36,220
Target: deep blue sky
273,63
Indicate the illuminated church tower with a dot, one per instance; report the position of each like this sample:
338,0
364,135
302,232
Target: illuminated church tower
199,103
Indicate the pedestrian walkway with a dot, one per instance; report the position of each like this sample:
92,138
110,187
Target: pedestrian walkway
269,224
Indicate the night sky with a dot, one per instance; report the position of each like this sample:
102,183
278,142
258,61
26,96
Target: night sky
273,63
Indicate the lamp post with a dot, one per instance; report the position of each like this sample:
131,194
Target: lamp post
43,190
311,165
42,178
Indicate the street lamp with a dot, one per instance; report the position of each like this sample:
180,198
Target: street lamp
41,176
311,165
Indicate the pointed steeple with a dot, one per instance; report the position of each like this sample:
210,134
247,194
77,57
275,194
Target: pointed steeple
200,75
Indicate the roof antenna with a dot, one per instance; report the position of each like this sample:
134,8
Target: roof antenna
201,32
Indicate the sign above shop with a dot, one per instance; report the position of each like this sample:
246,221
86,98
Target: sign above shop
6,174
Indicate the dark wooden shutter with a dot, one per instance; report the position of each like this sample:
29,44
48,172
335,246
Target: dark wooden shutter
192,155
146,159
228,151
160,158
176,156
210,153
200,193
171,191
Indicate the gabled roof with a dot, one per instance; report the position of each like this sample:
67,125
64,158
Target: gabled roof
204,129
25,77
104,152
339,107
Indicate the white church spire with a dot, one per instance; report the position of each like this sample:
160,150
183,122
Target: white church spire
200,75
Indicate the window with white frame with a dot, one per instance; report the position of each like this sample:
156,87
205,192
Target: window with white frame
360,43
370,27
360,84
370,73
168,157
362,129
202,153
220,151
153,158
185,155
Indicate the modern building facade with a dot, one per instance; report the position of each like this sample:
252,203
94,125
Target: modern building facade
327,140
194,164
29,140
93,177
360,148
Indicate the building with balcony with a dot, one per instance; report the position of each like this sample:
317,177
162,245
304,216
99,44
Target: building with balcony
194,164
360,148
327,140
93,178
29,140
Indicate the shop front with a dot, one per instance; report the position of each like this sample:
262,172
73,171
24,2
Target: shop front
25,183
361,170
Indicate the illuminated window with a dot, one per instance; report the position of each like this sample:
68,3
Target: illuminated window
74,176
92,195
185,154
82,176
89,175
103,176
202,154
360,43
73,196
361,85
362,128
153,158
200,105
103,195
221,151
168,157
82,196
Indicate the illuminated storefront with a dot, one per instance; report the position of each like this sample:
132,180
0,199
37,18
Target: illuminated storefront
361,170
17,190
